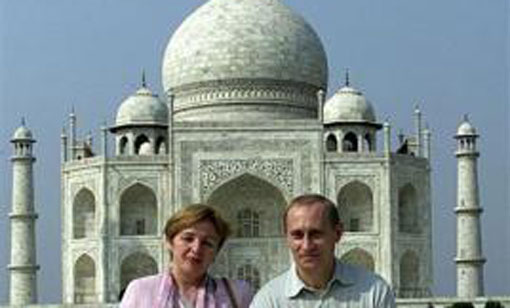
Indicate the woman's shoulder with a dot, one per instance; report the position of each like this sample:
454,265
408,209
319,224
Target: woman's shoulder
140,291
150,282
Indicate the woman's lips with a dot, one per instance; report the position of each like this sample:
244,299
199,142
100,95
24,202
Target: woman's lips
195,260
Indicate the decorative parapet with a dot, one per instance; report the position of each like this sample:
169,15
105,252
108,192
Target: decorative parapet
215,172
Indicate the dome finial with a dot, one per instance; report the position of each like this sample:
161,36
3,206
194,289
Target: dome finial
465,118
347,82
144,84
22,121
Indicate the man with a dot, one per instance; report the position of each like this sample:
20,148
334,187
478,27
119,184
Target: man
317,279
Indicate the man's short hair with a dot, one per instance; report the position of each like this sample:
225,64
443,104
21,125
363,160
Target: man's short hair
308,200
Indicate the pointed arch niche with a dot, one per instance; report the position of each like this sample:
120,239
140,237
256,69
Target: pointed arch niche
85,280
409,275
355,201
123,145
252,205
84,214
138,211
331,143
408,210
359,257
160,146
368,143
142,145
350,143
134,266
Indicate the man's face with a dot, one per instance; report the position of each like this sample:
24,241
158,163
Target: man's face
311,237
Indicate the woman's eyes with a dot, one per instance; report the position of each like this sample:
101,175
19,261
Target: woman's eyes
207,243
210,244
187,238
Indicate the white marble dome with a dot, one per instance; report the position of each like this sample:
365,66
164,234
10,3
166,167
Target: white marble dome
22,133
466,129
142,108
225,46
348,105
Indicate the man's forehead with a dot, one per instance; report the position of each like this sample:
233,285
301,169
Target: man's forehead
317,211
316,208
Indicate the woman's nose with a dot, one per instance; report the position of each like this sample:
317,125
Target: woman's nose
195,245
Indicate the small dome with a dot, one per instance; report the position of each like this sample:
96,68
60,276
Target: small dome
142,108
466,129
348,105
22,133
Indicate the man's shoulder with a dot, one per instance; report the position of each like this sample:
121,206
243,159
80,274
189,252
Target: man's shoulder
272,292
359,275
276,285
373,287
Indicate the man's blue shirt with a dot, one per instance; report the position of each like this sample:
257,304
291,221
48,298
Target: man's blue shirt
350,287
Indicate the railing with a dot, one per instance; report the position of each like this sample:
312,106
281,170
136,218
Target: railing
412,292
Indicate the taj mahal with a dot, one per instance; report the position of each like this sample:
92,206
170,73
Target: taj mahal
244,124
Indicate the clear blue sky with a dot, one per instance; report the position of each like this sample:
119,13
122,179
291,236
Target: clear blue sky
451,57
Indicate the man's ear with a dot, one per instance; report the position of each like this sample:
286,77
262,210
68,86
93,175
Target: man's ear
339,230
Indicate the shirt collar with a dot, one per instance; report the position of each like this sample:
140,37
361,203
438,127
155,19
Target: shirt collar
295,284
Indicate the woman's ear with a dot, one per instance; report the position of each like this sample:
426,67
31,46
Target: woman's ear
168,243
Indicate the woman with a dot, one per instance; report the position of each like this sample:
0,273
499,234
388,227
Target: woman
193,235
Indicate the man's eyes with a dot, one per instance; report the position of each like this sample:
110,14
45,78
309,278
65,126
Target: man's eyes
300,235
297,235
316,234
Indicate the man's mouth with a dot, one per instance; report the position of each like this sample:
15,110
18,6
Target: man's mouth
309,256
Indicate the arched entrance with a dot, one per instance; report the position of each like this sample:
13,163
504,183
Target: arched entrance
253,206
355,203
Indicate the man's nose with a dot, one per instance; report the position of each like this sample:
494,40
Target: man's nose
307,242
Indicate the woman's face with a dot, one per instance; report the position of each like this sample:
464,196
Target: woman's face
194,249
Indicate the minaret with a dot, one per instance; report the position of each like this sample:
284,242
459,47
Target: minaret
23,266
426,142
418,131
72,135
469,257
321,98
63,144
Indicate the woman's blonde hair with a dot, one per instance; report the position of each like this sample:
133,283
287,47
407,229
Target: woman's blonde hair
192,214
